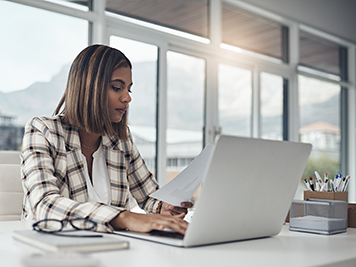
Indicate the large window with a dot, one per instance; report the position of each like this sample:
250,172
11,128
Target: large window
142,112
37,49
235,100
230,68
319,105
185,110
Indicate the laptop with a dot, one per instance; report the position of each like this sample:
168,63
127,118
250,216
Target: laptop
246,194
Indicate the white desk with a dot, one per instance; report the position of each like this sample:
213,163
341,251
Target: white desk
286,249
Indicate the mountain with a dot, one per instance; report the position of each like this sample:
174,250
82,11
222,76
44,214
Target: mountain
185,102
328,111
40,98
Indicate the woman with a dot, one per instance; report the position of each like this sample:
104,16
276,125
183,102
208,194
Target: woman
82,162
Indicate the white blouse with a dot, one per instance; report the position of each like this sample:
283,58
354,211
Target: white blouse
99,190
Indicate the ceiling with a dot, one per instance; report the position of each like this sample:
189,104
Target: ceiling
336,17
239,28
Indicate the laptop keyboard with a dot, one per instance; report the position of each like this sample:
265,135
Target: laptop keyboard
166,234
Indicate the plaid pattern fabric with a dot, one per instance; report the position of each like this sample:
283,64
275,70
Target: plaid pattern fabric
53,175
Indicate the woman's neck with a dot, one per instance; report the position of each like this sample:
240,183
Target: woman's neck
89,140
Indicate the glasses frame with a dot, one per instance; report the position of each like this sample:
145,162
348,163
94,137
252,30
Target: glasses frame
37,228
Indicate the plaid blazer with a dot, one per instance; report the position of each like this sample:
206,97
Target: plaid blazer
53,178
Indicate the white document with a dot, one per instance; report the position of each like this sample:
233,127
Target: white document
184,185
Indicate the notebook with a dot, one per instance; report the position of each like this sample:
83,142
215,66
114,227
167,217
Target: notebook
247,191
56,243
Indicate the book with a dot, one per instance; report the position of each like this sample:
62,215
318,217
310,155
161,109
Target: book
56,243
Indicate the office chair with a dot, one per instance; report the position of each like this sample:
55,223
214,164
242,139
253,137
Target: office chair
11,193
10,157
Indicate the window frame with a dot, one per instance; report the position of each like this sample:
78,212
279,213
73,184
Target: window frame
210,50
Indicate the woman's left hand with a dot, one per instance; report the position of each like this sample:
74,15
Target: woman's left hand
168,209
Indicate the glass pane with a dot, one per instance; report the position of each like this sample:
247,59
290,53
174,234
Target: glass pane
271,106
235,100
34,64
142,113
189,16
319,107
319,54
185,110
251,32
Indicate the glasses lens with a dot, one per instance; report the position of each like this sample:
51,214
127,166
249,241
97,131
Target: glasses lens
49,225
83,224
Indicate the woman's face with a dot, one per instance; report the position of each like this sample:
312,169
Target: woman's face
119,93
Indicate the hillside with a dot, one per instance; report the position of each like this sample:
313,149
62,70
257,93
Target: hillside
41,99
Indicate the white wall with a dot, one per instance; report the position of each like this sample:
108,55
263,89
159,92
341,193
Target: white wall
337,17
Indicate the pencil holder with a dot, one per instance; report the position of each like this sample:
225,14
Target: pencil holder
343,196
318,216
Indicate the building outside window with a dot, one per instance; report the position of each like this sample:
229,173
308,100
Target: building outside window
319,104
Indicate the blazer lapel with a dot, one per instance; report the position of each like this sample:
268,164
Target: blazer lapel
75,167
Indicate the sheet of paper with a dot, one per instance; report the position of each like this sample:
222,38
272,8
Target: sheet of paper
184,185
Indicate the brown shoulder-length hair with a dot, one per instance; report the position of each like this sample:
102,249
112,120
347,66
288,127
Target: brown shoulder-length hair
85,101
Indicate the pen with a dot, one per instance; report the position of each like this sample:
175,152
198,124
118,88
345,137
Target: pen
311,183
346,183
335,182
319,181
307,184
332,186
342,184
317,187
326,182
339,182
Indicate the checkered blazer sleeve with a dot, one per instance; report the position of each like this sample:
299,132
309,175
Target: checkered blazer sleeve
43,170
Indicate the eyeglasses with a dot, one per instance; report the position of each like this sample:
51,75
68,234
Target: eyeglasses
54,226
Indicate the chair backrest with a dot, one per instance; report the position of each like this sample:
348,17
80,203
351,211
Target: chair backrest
10,157
11,192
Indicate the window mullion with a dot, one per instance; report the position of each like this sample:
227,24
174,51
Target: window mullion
343,110
215,22
99,25
161,130
256,103
351,122
285,110
212,126
293,111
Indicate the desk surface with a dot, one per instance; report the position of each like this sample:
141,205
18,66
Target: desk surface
286,249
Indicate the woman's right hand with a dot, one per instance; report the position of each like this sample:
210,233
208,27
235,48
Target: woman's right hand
148,222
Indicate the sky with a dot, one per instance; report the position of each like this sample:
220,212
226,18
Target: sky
39,43
135,51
